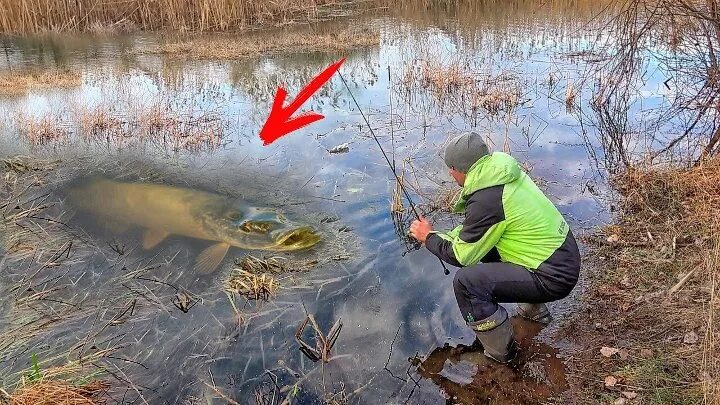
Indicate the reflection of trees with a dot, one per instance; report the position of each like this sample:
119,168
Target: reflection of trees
675,44
260,81
62,51
499,27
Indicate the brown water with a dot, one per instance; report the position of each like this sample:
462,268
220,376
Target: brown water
167,355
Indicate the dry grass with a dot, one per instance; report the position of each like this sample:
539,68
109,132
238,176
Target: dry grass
21,82
31,16
69,384
655,294
59,393
244,47
455,87
570,97
252,286
255,277
100,123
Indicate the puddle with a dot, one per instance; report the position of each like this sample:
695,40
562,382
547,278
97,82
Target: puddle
465,376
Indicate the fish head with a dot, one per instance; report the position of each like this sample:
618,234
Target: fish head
259,228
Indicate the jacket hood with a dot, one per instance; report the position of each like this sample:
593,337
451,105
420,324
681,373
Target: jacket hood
491,170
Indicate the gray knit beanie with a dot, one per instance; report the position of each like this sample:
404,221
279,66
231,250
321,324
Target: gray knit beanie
464,150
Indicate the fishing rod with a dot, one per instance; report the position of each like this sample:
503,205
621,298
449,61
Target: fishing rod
390,165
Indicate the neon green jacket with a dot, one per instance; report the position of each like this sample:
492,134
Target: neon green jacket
505,210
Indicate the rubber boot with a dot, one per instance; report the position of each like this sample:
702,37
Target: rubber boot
496,335
535,312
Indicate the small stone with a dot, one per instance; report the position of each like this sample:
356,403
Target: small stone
630,394
608,351
613,238
691,338
620,401
624,354
610,381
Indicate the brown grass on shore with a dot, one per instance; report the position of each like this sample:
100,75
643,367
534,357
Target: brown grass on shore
73,383
653,303
60,393
244,47
20,82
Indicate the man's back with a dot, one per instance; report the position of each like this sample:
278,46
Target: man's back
514,245
504,209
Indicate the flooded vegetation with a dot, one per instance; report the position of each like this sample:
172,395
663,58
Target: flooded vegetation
294,42
21,82
152,250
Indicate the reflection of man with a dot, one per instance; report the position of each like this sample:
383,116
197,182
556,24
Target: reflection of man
514,245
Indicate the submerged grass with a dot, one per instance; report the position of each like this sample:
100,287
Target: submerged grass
654,297
20,82
243,47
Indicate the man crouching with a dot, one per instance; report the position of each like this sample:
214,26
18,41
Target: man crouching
513,246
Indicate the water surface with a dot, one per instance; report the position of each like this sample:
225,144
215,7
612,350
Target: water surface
383,294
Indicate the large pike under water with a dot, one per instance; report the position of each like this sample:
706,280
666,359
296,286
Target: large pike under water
166,210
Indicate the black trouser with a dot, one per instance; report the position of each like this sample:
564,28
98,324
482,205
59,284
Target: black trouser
479,288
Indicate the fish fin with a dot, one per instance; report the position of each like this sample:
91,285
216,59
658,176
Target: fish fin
209,259
153,237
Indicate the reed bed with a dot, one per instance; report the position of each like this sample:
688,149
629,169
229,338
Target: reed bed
33,16
653,300
12,83
244,47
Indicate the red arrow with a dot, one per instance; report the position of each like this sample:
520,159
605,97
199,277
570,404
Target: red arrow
279,122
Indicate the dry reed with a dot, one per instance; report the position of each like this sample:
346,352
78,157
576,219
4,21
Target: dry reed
253,286
32,16
20,82
455,87
186,130
243,47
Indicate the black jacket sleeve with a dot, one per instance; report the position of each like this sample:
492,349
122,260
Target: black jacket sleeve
442,248
483,210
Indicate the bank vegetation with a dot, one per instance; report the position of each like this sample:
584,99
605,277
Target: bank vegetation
648,328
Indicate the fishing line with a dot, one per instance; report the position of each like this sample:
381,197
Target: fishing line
392,167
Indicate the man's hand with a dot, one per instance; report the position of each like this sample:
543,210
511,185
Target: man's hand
420,229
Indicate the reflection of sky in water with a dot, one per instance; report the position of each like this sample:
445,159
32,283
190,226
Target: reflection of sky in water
382,290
